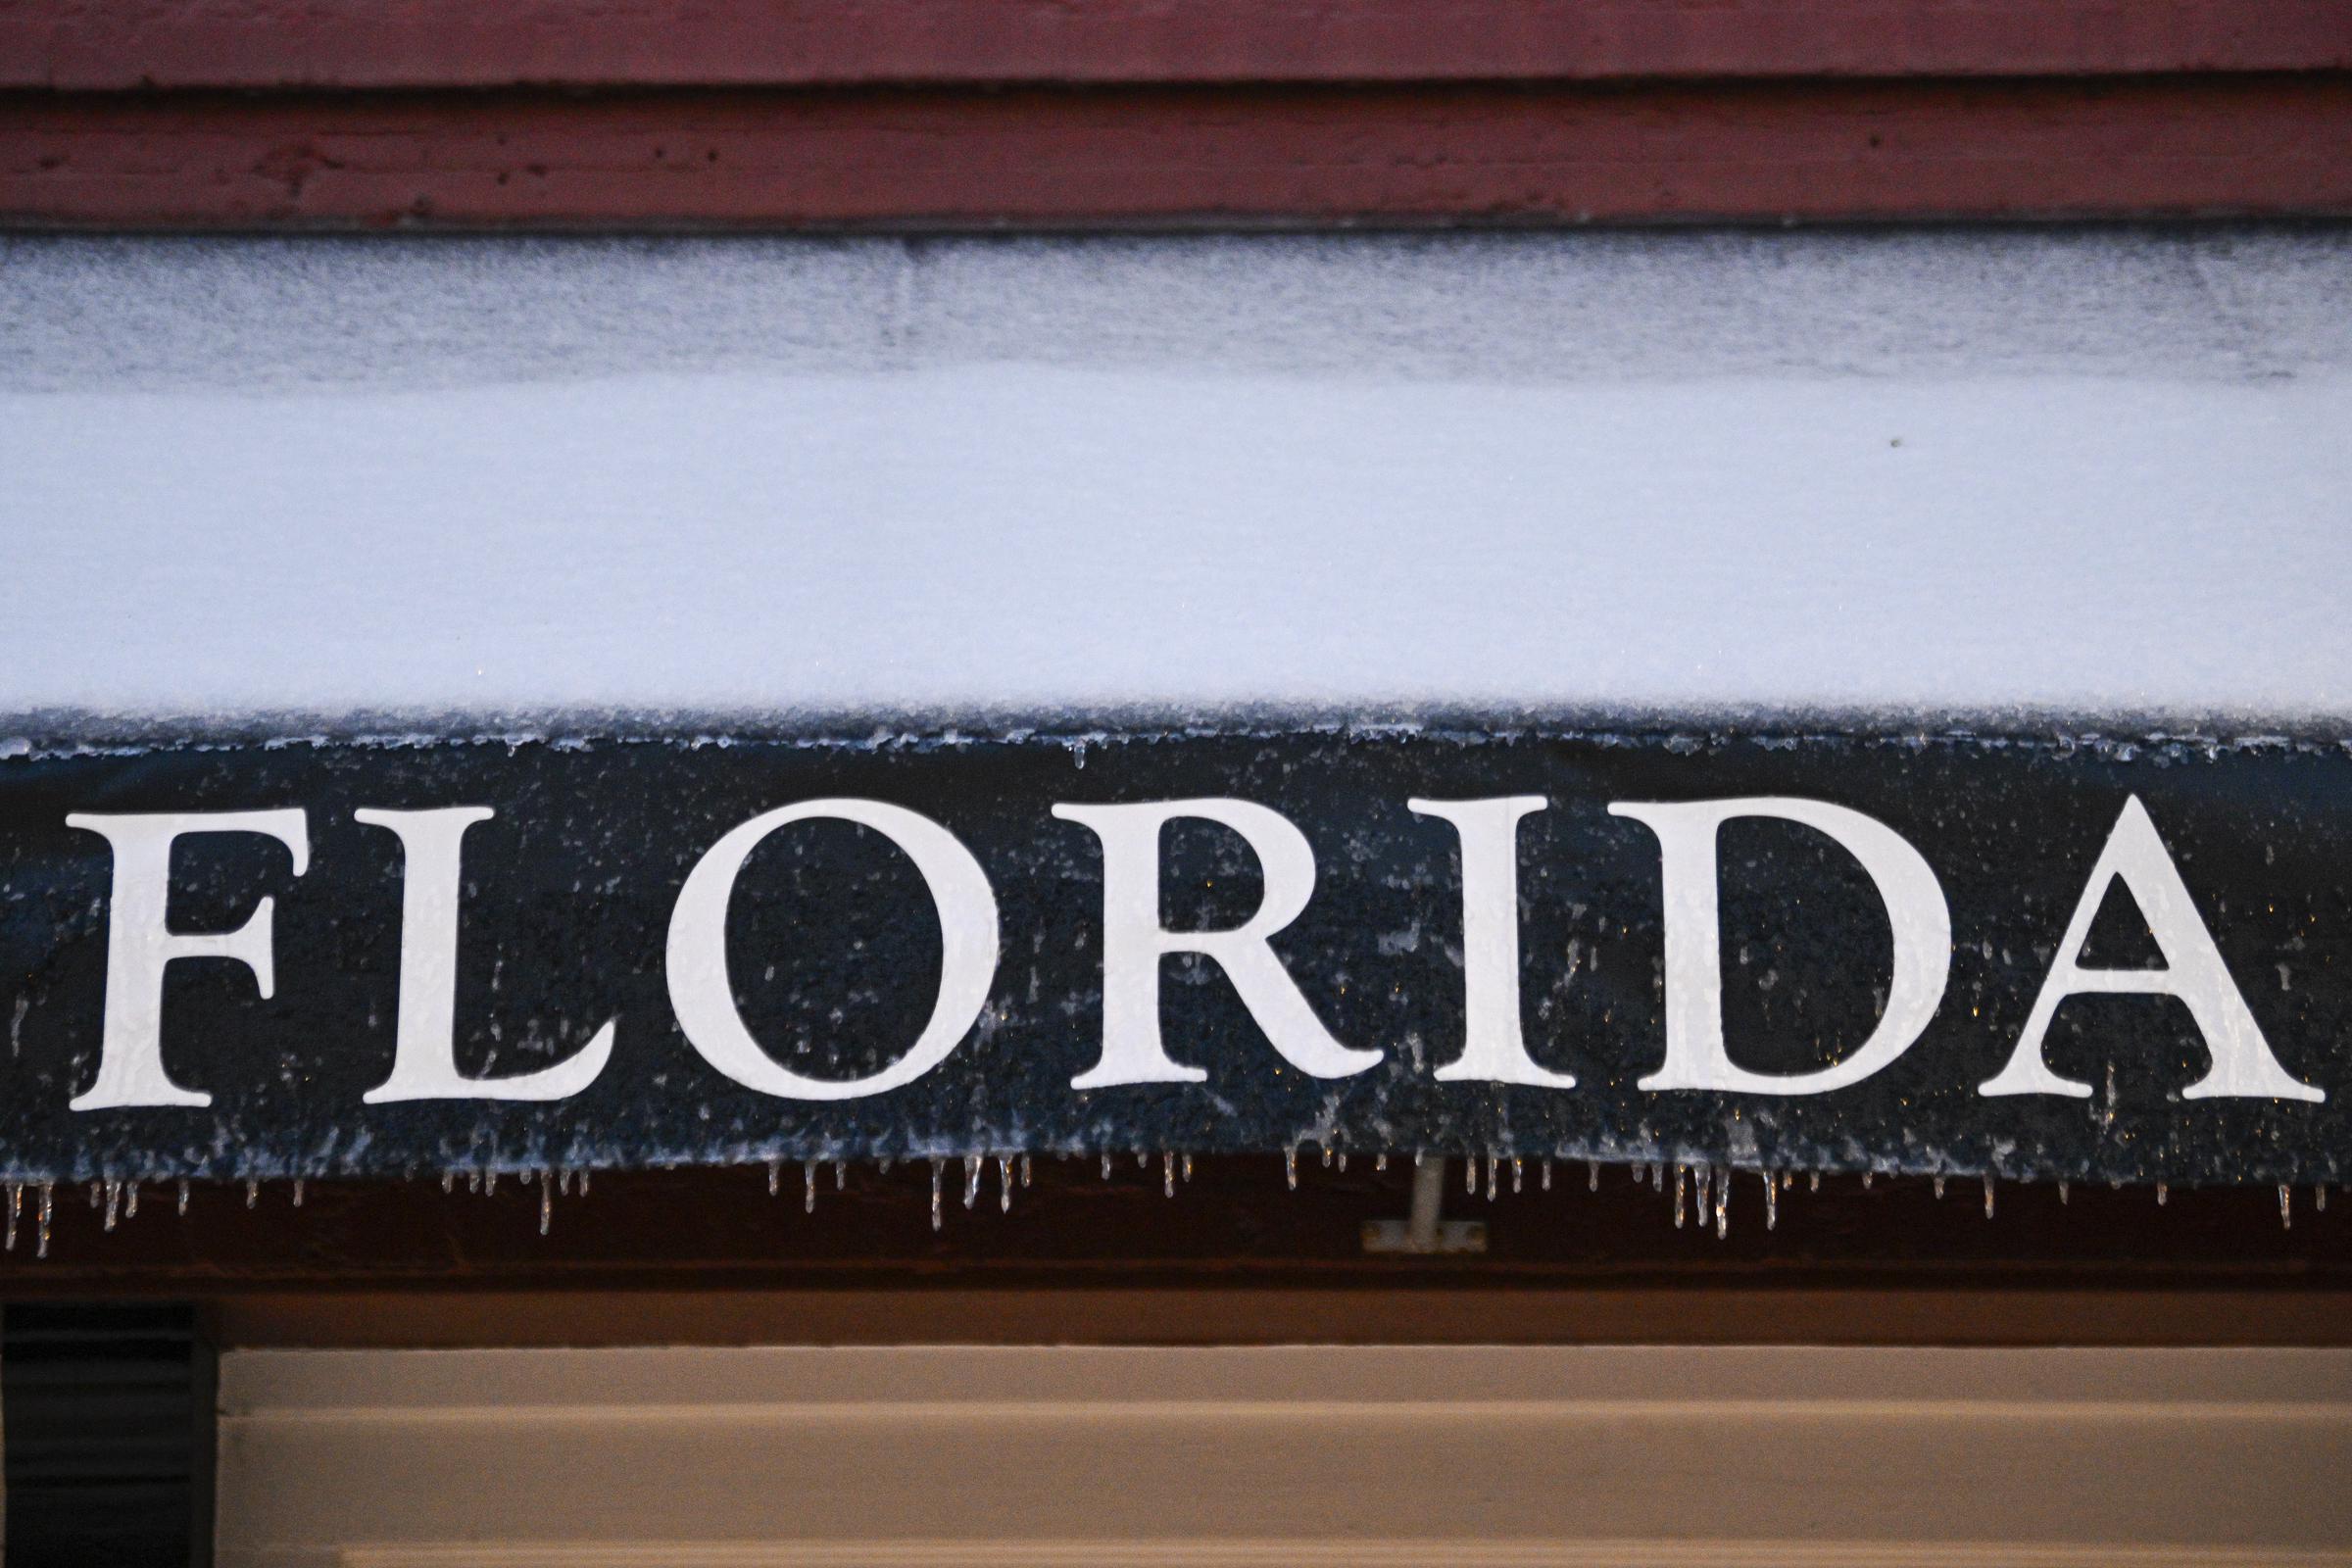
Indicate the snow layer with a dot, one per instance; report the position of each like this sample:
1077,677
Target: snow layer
1957,471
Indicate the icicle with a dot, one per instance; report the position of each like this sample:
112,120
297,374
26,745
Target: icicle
807,1186
1988,1195
583,1184
2062,1191
46,1206
2164,1193
1188,1170
1865,1181
1678,1174
1185,1166
94,1188
1470,1174
1290,1166
252,1192
2286,1206
1327,1157
938,1167
113,1201
547,1204
1546,1176
563,1181
1107,1167
1143,1159
1592,1175
131,1201
1167,1173
2318,1197
184,1195
1787,1180
1707,1178
883,1165
15,1200
841,1175
1812,1181
297,1192
972,1179
1772,1201
1515,1174
775,1177
1938,1187
1343,1163
1723,1203
1003,1184
1380,1162
1494,1174
490,1182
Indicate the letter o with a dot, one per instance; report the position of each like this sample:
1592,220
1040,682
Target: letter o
704,997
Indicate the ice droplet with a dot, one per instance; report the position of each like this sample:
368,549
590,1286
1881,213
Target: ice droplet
1988,1195
1167,1173
448,1181
547,1204
1470,1174
184,1195
1003,1184
1516,1175
841,1175
1680,1173
131,1201
938,1172
2062,1191
1812,1181
2163,1192
490,1182
2318,1197
807,1186
1866,1175
1380,1162
1723,1203
15,1200
1184,1166
1494,1174
47,1207
297,1192
1592,1175
775,1177
1343,1163
1290,1167
1107,1167
972,1179
1771,1203
113,1201
1188,1170
252,1192
1707,1178
2286,1206
1327,1157
1938,1187
1546,1177
583,1184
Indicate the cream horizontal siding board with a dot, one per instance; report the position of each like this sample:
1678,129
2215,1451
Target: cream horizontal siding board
1542,1455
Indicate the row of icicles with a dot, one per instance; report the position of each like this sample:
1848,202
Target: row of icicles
1710,1184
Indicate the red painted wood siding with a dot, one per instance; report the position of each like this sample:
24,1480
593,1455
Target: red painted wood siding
1163,156
108,44
595,114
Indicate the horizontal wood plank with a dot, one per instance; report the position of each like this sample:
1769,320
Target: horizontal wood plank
2251,146
452,43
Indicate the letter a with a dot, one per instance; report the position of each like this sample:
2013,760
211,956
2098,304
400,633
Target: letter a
2192,970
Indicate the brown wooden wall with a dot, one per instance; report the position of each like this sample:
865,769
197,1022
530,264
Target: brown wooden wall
368,114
